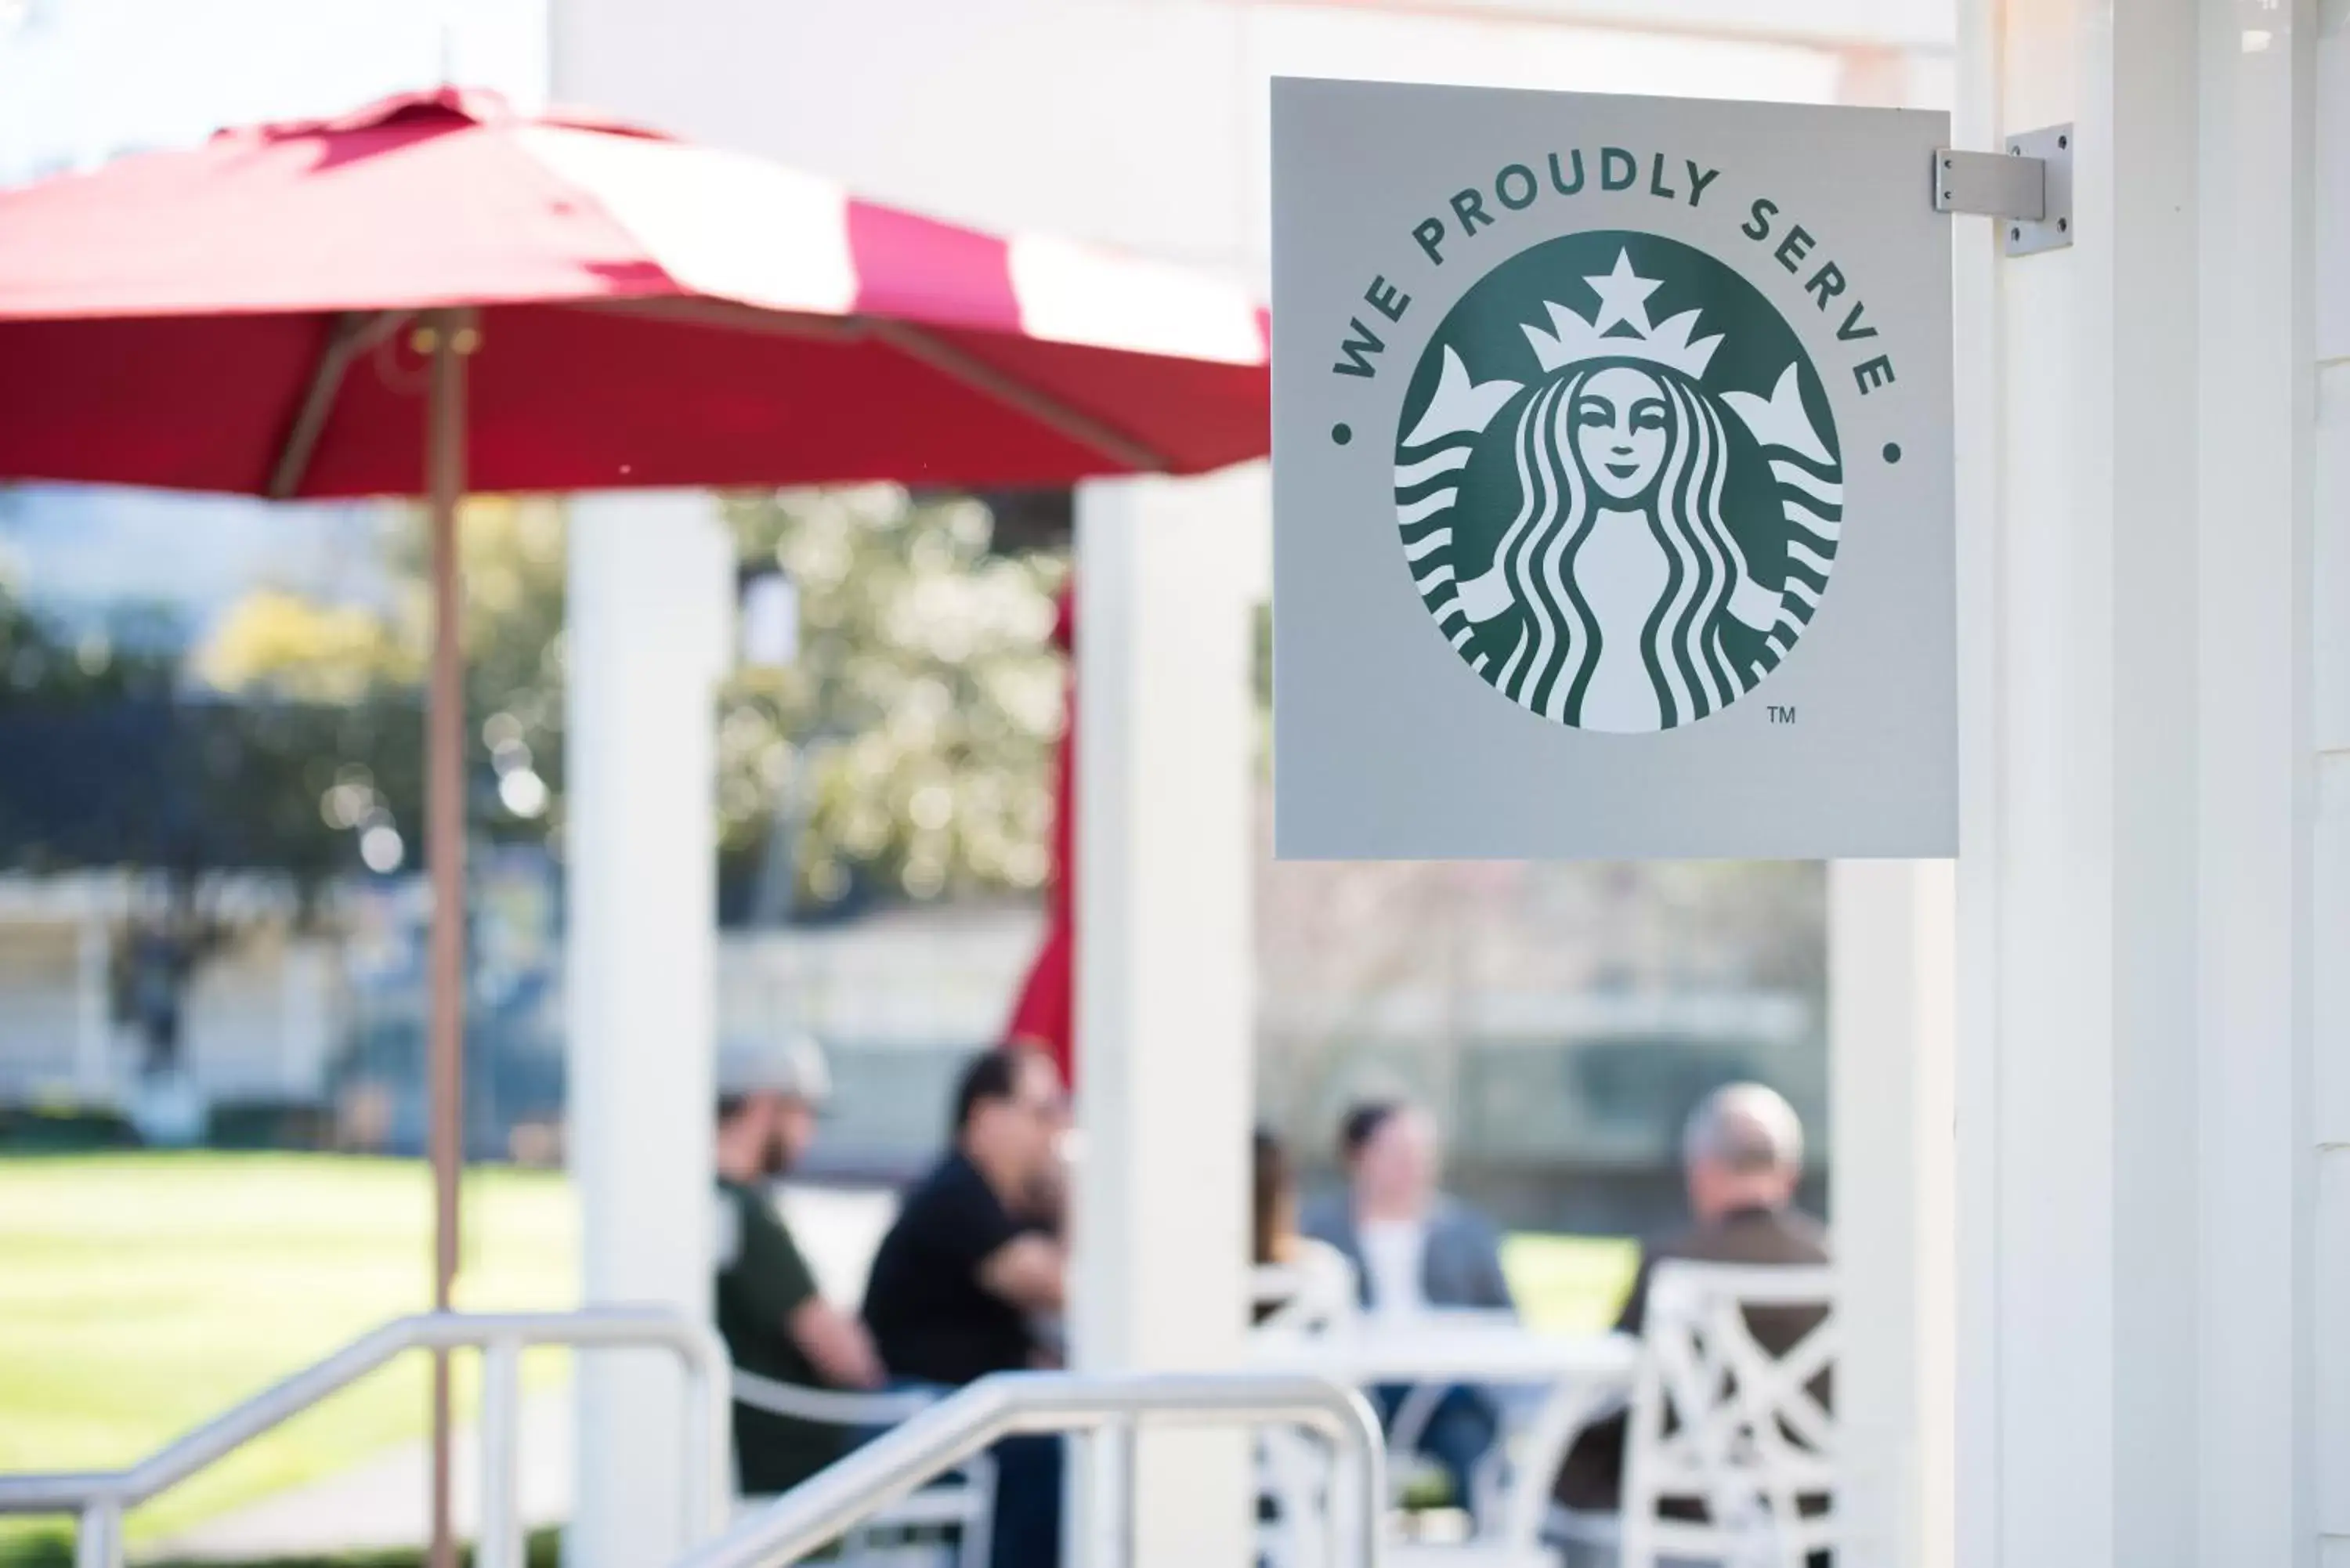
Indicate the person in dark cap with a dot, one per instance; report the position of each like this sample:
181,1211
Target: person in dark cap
775,1322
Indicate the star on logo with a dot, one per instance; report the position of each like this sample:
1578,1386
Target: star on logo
1621,328
1623,297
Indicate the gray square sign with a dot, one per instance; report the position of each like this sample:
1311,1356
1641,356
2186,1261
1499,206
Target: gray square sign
1612,492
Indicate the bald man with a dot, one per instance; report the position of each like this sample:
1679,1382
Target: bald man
1742,1153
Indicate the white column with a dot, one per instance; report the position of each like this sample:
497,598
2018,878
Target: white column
304,1001
2081,831
1166,740
93,1009
2330,922
1892,994
1892,1020
2136,963
2257,1174
650,589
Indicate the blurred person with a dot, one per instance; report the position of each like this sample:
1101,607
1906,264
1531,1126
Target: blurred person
1272,1202
1743,1155
775,1323
970,1265
1413,1247
1299,1279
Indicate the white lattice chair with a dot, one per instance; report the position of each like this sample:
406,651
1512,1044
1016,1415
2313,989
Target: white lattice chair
1312,1294
1717,1420
946,1522
1409,1465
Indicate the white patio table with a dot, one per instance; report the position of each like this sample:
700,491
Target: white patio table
1579,1377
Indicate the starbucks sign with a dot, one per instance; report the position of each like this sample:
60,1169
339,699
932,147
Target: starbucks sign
1612,478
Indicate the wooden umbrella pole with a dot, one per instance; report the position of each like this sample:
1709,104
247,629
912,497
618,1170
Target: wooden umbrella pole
449,337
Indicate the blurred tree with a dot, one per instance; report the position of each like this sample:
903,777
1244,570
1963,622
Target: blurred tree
907,749
903,752
214,806
45,664
275,646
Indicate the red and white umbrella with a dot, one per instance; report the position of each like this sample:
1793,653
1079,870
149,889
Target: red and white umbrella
435,293
644,312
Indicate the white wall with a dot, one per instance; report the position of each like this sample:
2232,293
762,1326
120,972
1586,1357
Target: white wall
2329,578
1139,123
2152,1237
261,1019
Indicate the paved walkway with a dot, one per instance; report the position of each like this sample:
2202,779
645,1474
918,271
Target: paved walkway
383,1502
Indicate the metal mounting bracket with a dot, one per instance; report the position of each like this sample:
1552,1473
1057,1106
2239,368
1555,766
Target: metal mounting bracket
2029,190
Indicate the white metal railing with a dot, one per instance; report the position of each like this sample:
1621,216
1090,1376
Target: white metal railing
1009,1404
962,1500
100,1498
850,1410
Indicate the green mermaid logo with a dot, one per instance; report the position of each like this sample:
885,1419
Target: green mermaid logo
1625,526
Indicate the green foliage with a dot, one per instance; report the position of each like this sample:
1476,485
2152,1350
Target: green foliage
133,769
908,747
55,1549
905,752
43,664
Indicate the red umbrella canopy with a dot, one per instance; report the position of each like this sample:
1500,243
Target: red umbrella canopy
238,318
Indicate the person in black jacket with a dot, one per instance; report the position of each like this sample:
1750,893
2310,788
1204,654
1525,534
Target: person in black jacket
970,1267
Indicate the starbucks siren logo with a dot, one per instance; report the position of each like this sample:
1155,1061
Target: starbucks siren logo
1619,522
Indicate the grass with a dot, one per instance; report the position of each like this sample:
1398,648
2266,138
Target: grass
542,1548
1569,1284
142,1293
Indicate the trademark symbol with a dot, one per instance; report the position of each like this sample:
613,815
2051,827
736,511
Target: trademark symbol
1780,715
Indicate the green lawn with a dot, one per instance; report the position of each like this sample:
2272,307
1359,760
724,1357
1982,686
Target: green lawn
142,1293
1569,1284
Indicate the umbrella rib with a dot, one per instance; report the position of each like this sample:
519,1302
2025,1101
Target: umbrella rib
353,332
1041,406
725,315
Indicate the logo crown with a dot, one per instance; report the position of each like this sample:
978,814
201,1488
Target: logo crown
1623,303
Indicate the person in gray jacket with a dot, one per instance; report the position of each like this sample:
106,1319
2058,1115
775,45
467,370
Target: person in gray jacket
1415,1249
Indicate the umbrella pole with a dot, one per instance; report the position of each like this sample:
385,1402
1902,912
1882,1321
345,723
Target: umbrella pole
451,336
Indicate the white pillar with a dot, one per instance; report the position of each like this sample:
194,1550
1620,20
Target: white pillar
650,596
1166,739
1892,993
304,1003
2257,1174
93,1009
2136,1158
2330,892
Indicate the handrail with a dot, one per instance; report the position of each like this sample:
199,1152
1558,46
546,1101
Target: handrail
831,1407
1011,1403
102,1496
